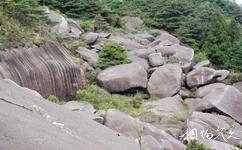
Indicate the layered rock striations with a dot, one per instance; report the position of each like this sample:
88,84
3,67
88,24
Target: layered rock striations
47,69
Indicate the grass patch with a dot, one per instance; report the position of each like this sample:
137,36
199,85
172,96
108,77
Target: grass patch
102,100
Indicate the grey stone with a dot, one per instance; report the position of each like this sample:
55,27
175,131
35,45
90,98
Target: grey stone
123,77
31,122
165,81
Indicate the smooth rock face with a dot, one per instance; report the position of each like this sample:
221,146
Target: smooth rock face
134,128
90,37
165,81
62,27
79,106
165,107
204,75
205,90
226,99
214,123
238,85
88,55
141,61
204,63
30,122
47,69
150,143
123,77
156,59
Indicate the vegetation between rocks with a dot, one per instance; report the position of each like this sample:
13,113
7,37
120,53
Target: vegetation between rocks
112,54
102,100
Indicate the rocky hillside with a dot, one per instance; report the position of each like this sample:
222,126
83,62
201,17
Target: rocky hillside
133,88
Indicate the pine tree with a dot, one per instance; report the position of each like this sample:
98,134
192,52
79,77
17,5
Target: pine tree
236,57
100,24
217,41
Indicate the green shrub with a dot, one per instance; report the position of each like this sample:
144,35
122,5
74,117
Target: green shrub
54,99
102,100
233,77
87,25
200,56
100,24
112,54
194,145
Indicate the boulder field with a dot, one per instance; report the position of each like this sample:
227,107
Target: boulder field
184,95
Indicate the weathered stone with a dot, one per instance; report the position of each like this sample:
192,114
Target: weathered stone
88,55
184,54
141,61
134,128
90,37
132,23
165,81
214,124
86,108
226,99
156,59
238,85
47,69
75,29
204,63
61,25
164,107
205,90
149,143
166,36
31,122
80,106
127,43
123,77
204,75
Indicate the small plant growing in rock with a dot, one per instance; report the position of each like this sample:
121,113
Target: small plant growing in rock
87,25
112,54
194,145
54,99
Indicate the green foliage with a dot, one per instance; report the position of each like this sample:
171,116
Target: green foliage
87,25
200,56
54,99
112,54
102,100
22,23
217,41
194,145
100,24
233,77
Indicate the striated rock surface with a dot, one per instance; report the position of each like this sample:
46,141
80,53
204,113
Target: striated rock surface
47,69
29,122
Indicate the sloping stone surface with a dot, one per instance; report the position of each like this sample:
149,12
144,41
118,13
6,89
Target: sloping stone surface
29,122
123,77
165,81
47,69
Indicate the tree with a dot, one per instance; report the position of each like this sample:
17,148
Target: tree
234,31
76,8
100,24
217,41
236,56
168,14
112,54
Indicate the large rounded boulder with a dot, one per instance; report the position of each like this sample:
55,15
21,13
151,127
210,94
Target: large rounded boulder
165,81
123,77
